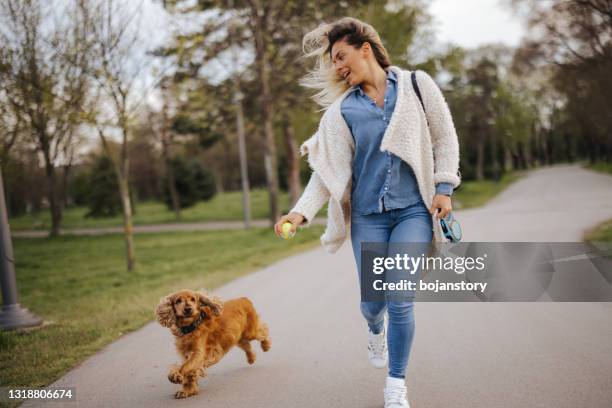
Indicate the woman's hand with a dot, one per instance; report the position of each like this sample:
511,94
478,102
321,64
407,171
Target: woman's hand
442,202
294,218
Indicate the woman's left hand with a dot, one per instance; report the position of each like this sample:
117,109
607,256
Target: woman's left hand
442,202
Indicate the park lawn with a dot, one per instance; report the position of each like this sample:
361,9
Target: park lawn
80,284
222,207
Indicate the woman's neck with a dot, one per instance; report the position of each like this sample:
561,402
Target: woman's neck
377,81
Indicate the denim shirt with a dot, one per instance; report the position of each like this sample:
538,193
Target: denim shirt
381,180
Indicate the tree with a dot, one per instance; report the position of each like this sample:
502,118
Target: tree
120,64
515,119
42,61
162,127
11,128
573,39
494,110
272,30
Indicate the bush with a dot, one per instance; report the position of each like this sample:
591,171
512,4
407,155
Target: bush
103,197
80,188
193,183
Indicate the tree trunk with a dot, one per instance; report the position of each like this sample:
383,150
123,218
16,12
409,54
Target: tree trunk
527,148
124,190
244,170
122,166
293,172
480,157
261,55
225,169
570,150
544,147
54,201
65,175
526,153
170,179
218,179
508,166
495,167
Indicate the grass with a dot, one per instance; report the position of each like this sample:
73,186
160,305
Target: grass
80,284
602,233
222,207
603,167
476,193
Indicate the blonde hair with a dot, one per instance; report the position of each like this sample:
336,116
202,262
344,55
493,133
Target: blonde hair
318,43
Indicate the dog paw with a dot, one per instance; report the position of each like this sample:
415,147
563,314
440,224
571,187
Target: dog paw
266,344
176,378
251,358
182,394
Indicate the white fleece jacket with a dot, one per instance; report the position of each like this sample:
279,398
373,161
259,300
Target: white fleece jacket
432,151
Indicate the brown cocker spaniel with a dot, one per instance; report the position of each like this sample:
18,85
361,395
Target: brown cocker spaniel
205,328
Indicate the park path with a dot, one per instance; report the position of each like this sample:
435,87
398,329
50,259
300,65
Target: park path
464,355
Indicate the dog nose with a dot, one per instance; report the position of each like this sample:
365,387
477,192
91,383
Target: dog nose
188,310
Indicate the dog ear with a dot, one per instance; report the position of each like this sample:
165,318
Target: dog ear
214,303
165,311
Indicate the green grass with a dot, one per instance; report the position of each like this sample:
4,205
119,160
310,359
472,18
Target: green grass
603,167
476,193
602,232
223,207
81,285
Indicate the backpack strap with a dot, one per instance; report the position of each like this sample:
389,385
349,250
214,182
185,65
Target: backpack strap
415,85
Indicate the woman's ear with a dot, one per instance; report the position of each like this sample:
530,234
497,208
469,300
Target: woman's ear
165,311
214,303
366,48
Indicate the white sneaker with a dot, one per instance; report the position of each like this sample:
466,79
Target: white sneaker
377,347
395,393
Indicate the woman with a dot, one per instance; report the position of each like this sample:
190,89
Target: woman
384,162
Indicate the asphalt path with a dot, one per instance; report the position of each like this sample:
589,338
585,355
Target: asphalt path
464,354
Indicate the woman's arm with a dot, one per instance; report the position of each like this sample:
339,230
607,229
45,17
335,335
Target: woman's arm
442,129
312,200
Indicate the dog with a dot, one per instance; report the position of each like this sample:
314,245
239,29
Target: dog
205,329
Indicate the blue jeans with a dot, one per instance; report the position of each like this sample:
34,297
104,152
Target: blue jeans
409,224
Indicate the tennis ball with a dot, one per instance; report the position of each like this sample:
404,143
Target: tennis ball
286,230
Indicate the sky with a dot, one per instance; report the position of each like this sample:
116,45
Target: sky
470,23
